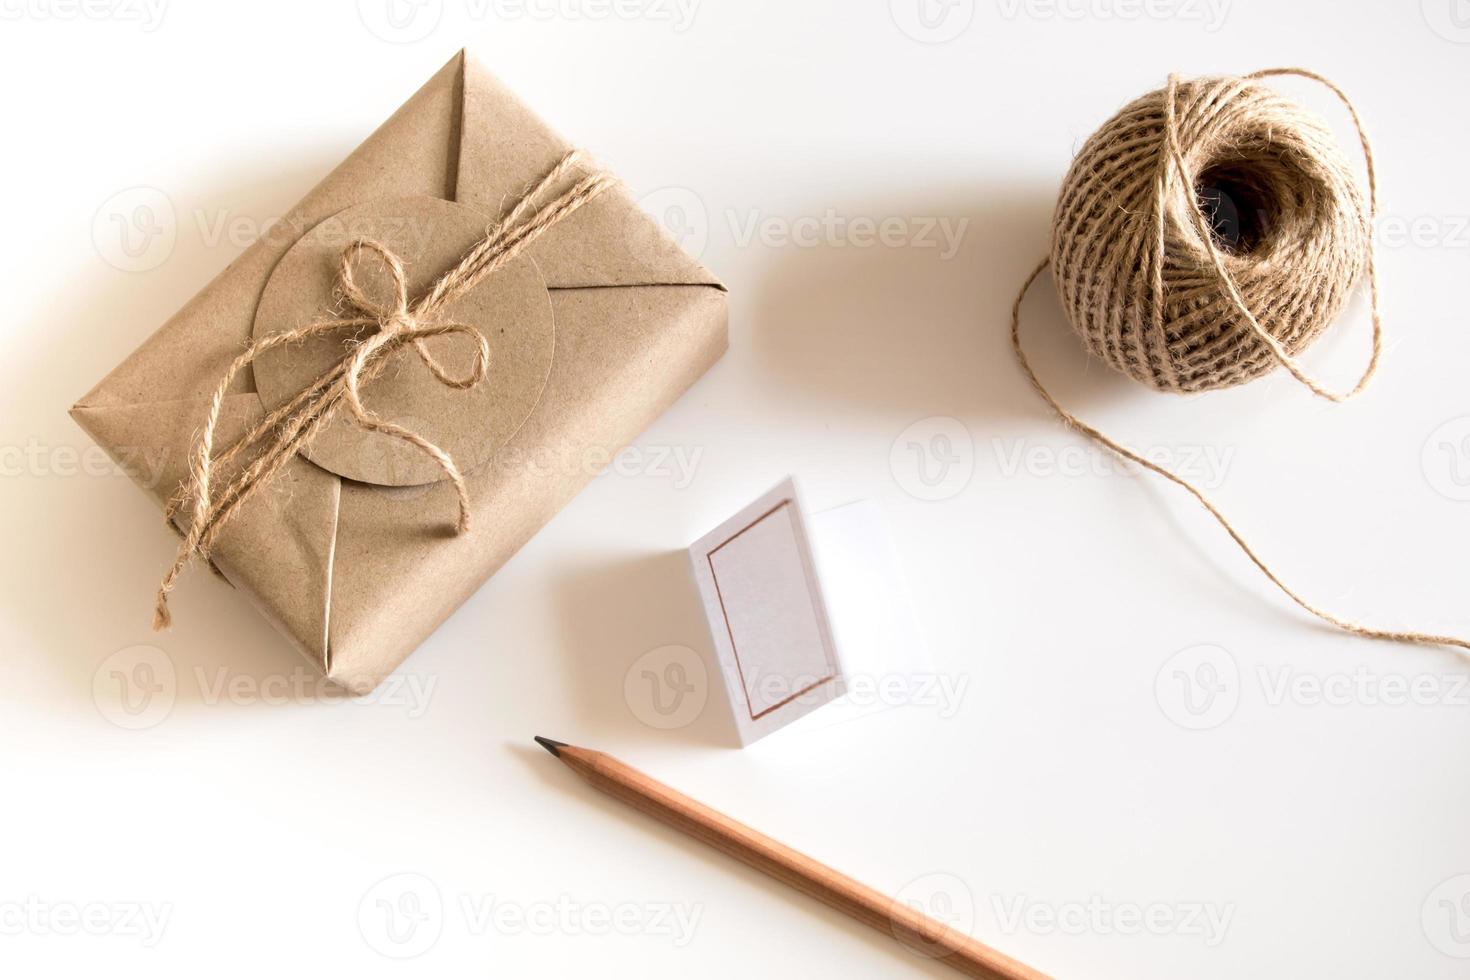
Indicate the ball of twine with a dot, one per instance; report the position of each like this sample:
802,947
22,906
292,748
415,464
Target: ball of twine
1205,235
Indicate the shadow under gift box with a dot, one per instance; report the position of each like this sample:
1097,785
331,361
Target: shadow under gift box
594,330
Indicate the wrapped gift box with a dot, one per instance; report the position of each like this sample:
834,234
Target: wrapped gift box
596,328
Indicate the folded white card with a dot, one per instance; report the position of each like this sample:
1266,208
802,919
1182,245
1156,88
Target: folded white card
805,610
768,619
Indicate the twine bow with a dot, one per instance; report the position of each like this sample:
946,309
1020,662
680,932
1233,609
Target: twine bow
383,330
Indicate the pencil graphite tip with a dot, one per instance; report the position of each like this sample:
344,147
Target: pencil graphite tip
551,745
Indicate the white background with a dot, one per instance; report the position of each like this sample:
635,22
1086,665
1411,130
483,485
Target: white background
1328,832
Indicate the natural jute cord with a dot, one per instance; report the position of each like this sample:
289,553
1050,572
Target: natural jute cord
1186,302
290,428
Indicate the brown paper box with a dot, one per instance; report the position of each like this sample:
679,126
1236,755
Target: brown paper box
594,330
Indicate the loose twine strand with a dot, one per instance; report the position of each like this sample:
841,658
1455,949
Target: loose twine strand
1121,264
291,428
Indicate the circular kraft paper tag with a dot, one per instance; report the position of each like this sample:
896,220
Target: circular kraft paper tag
511,309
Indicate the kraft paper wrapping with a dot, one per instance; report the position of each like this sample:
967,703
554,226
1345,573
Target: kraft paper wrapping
598,327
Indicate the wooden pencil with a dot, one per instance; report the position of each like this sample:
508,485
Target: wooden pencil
904,923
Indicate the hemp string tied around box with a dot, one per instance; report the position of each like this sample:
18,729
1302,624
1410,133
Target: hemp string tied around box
383,330
1186,301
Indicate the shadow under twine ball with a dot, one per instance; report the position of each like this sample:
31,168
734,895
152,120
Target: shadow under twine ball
1129,257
